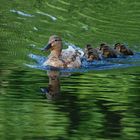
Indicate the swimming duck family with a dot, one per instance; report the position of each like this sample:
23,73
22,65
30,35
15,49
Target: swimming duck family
71,57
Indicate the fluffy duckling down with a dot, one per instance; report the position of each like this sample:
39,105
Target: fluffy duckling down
106,51
91,53
121,49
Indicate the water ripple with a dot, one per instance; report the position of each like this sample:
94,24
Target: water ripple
64,2
101,97
56,7
46,14
21,13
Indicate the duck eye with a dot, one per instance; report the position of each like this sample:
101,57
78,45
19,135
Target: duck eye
57,40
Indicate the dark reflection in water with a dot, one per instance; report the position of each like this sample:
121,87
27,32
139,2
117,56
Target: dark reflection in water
53,89
80,111
93,105
112,120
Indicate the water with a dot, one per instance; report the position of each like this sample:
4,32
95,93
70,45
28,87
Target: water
99,103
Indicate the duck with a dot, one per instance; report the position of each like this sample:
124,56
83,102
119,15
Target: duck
91,53
62,58
121,49
106,51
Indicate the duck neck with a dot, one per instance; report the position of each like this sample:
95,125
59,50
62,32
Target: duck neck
55,53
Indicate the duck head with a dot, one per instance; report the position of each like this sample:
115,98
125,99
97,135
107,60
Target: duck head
54,44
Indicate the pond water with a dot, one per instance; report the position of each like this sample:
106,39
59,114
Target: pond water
101,103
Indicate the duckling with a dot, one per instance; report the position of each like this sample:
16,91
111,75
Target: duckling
106,51
122,49
67,58
91,53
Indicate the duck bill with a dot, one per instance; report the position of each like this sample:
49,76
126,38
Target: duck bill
47,47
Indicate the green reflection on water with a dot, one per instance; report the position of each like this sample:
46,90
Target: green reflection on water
93,105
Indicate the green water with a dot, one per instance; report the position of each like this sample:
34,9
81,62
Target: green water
100,105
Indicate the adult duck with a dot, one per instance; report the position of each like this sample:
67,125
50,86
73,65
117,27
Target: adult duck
67,58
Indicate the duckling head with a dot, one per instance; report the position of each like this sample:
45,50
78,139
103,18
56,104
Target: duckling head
104,47
120,48
54,44
117,47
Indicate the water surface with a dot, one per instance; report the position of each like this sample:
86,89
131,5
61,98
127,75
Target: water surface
101,104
